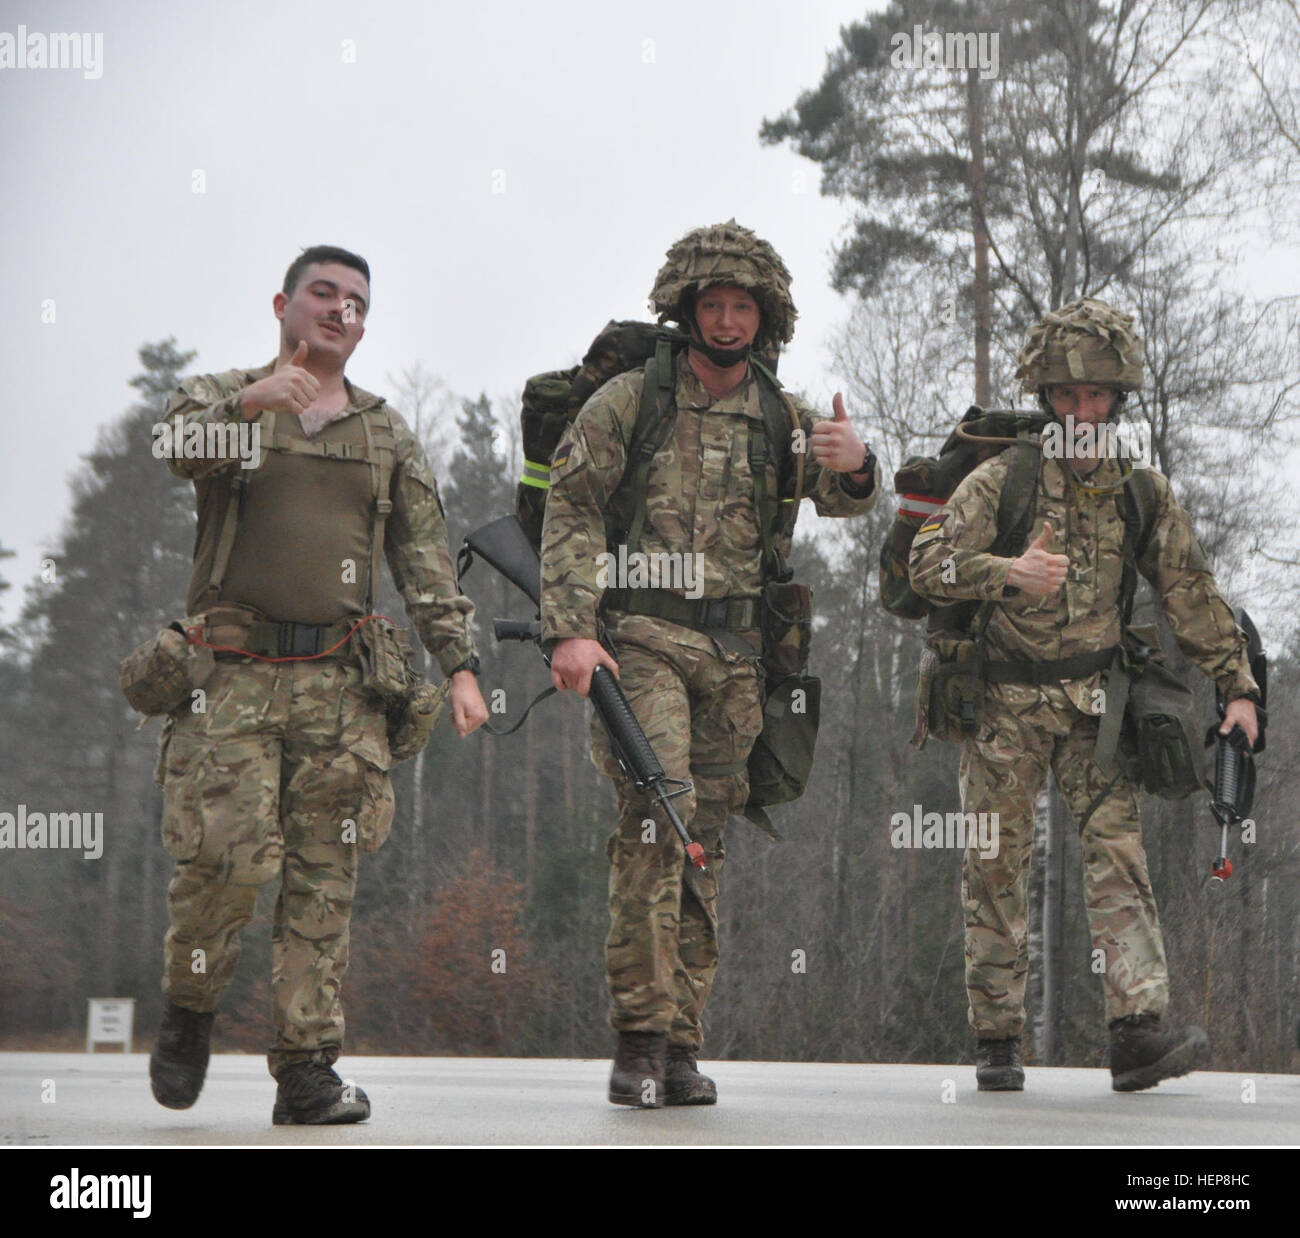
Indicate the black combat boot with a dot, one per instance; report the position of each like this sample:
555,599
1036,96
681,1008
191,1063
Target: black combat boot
997,1065
1142,1053
684,1085
639,1067
178,1065
311,1094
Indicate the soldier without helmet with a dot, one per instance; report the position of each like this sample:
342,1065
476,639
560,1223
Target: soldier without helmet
284,775
689,669
1056,605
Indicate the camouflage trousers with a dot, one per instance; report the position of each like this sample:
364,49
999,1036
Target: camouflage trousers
1003,767
283,775
698,704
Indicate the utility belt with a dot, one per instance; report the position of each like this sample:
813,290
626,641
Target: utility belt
270,639
954,674
729,614
1077,667
1147,716
160,675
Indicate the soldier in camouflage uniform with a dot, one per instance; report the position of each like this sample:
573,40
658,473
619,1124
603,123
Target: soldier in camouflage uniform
284,772
692,678
1060,600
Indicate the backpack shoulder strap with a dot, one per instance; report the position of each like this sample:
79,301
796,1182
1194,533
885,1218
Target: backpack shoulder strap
1015,512
1016,504
654,422
1136,501
772,442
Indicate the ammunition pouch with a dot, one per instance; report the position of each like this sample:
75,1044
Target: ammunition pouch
413,708
785,618
1161,747
158,676
386,674
950,688
412,719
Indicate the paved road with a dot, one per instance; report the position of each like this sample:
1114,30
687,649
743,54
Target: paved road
104,1099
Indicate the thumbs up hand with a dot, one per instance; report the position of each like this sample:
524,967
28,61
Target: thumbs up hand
289,388
1038,571
835,444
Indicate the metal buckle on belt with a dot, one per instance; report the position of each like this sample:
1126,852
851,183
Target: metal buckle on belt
299,640
713,613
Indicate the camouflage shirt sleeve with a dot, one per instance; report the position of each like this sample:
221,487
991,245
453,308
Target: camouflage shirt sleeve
585,471
1199,616
950,559
832,494
206,399
415,544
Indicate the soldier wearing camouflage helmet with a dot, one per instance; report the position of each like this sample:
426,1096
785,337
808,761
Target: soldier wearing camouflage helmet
687,656
1053,627
280,772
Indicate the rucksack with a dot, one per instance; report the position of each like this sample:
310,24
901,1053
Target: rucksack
553,399
925,483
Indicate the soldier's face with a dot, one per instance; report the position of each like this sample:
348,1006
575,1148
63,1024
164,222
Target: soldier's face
727,317
1082,401
327,309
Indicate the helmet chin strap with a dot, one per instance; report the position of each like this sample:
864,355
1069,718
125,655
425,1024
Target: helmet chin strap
723,358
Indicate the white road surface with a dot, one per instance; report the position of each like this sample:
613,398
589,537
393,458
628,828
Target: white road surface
81,1100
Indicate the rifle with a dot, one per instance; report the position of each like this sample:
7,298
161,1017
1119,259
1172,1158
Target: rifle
1234,768
504,545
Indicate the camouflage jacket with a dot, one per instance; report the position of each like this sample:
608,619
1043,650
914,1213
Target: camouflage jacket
415,535
950,562
699,495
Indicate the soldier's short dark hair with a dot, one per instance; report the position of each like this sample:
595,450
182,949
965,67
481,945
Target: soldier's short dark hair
322,253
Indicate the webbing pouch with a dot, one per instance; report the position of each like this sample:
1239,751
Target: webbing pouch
1161,749
158,676
781,761
413,717
785,617
949,688
386,674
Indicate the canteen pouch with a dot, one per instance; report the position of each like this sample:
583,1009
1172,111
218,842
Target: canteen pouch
785,617
1162,737
158,676
781,760
412,720
949,689
386,675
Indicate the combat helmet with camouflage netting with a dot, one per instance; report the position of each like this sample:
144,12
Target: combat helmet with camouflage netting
727,254
1086,341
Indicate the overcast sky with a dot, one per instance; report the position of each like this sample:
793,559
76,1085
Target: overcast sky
513,172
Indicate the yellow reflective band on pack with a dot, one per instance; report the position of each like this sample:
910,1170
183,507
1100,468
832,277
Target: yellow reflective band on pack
535,474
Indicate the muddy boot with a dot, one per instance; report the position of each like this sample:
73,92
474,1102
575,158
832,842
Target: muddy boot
638,1074
178,1065
311,1094
1142,1053
684,1085
997,1066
